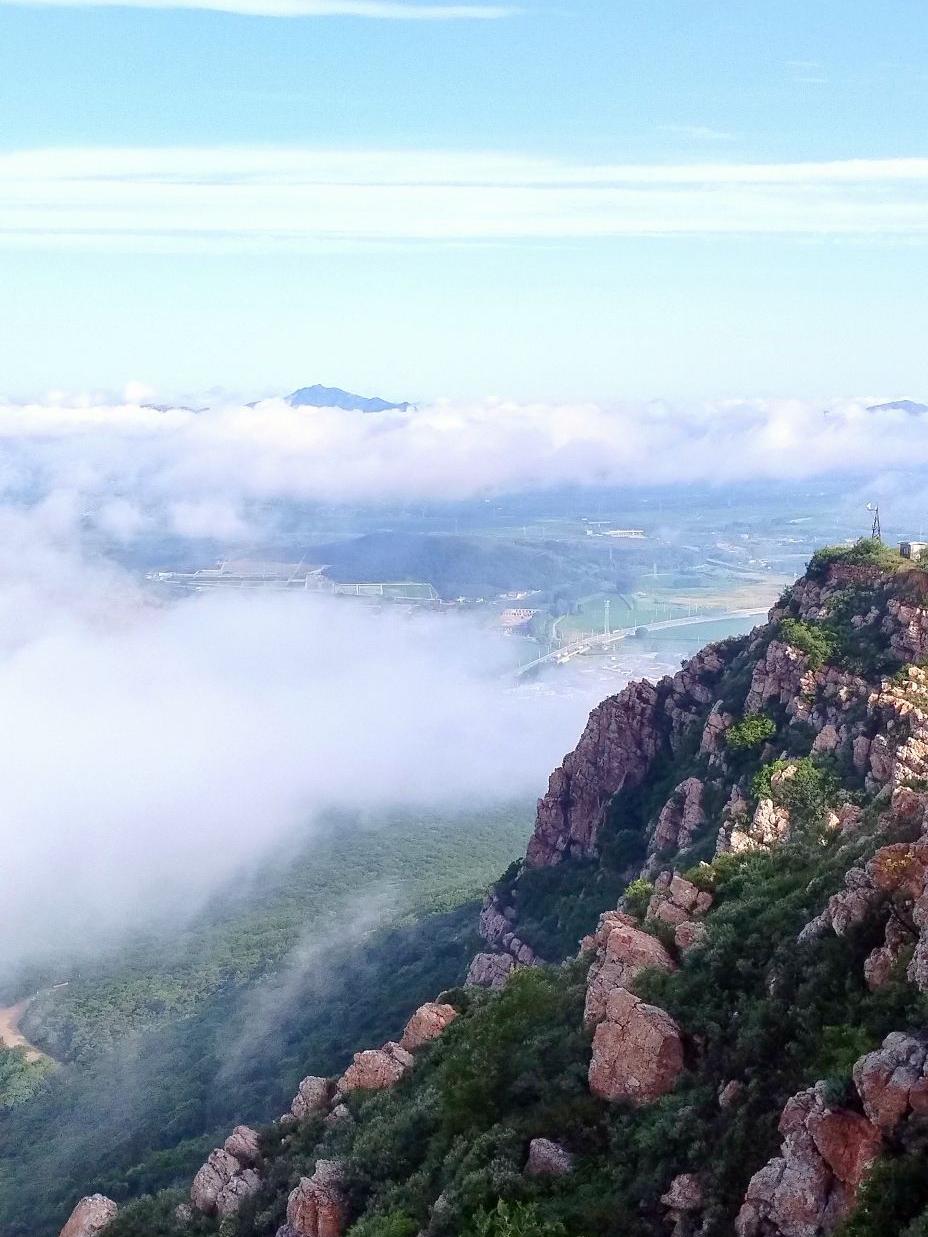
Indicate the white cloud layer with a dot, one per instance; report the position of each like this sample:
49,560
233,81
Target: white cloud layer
388,10
127,470
148,753
217,199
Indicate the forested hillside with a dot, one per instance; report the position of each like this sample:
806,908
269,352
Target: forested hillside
164,1042
738,1044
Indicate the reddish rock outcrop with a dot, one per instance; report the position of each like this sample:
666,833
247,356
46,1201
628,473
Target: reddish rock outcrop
313,1095
90,1216
809,1188
548,1159
212,1179
621,739
242,1186
623,736
893,1081
426,1024
770,825
495,926
676,900
637,1051
318,1206
684,1200
624,950
489,970
680,818
777,677
243,1144
375,1069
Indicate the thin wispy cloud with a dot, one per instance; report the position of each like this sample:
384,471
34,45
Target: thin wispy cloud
264,199
697,133
388,10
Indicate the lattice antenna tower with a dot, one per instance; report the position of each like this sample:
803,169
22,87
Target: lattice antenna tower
875,532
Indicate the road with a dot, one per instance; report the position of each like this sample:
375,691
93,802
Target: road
10,1034
603,641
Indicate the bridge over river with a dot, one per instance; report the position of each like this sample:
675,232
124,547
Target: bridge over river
593,644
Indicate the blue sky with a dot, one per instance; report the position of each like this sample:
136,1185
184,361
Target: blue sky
575,199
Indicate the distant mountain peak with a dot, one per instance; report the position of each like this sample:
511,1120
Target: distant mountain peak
334,397
900,405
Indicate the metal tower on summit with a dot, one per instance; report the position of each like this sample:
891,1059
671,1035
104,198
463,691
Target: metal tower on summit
875,532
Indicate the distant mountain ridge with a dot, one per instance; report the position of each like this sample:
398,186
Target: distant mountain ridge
900,405
334,397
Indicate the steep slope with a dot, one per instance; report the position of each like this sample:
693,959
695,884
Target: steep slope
739,1046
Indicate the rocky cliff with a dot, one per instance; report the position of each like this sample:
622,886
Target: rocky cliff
701,1005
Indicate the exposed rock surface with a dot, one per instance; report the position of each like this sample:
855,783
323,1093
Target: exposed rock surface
212,1179
623,952
680,818
495,926
893,1081
243,1144
809,1188
90,1216
623,736
489,970
637,1051
684,1200
318,1206
676,900
548,1159
426,1024
313,1095
375,1069
769,827
242,1186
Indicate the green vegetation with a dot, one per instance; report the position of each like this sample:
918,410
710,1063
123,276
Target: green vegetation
803,786
750,733
20,1078
193,1033
867,552
812,640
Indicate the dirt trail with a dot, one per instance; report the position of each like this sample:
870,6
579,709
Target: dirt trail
10,1034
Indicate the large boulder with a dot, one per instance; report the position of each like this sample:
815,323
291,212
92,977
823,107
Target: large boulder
313,1095
318,1206
548,1159
625,950
676,900
90,1216
211,1179
243,1144
637,1051
489,970
893,1081
426,1024
375,1069
237,1190
810,1187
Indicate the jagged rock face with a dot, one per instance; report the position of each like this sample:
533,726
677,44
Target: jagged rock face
621,739
489,970
684,1200
495,926
313,1095
623,736
676,900
426,1024
623,952
808,1189
375,1069
237,1190
777,678
90,1216
712,743
318,1206
770,826
680,819
548,1159
637,1051
243,1144
212,1179
893,1081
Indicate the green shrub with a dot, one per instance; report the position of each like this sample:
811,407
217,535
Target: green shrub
751,732
805,793
868,551
637,897
813,640
514,1220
